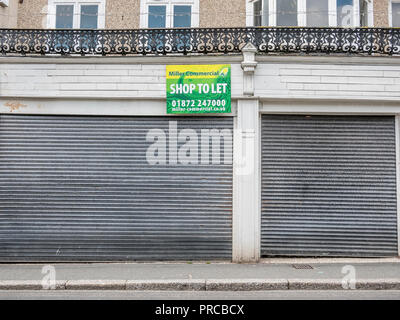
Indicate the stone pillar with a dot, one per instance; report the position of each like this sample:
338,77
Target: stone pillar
249,65
246,204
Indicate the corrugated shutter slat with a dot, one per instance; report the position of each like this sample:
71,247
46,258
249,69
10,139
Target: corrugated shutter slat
328,186
80,189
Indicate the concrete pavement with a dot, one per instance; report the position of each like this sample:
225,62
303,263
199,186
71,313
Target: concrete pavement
379,274
200,295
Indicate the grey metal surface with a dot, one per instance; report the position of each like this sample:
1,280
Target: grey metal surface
328,186
81,189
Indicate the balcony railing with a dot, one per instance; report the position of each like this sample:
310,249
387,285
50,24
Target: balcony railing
200,41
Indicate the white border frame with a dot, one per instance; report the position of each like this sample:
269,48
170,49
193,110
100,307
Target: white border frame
370,13
302,13
397,132
51,13
390,12
144,17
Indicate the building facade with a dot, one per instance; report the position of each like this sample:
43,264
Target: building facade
8,14
134,14
306,163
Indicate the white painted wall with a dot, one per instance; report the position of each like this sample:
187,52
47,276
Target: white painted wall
317,79
101,78
376,78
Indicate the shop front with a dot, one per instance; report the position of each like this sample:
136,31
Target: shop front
104,188
101,162
328,185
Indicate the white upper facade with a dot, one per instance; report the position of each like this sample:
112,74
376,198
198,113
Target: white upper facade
169,13
91,14
76,14
310,13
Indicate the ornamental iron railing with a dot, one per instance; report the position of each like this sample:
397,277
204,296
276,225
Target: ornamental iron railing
200,41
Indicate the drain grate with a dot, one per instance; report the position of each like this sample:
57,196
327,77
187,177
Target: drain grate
302,266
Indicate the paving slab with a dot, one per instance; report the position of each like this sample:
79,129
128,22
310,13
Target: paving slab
205,276
172,271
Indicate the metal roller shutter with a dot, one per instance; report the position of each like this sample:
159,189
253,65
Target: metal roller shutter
328,186
80,189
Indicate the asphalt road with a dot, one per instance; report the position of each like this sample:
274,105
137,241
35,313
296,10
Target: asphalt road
184,295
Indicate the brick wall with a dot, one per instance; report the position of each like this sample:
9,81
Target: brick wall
32,14
222,13
122,14
381,12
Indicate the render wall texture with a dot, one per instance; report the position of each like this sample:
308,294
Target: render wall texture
56,80
122,14
8,15
328,80
32,14
222,13
381,13
319,78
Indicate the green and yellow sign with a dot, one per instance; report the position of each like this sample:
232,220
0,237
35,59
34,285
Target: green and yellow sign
199,89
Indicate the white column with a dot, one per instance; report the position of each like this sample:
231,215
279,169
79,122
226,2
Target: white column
249,13
249,65
371,14
246,192
302,13
397,132
272,13
356,13
332,8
